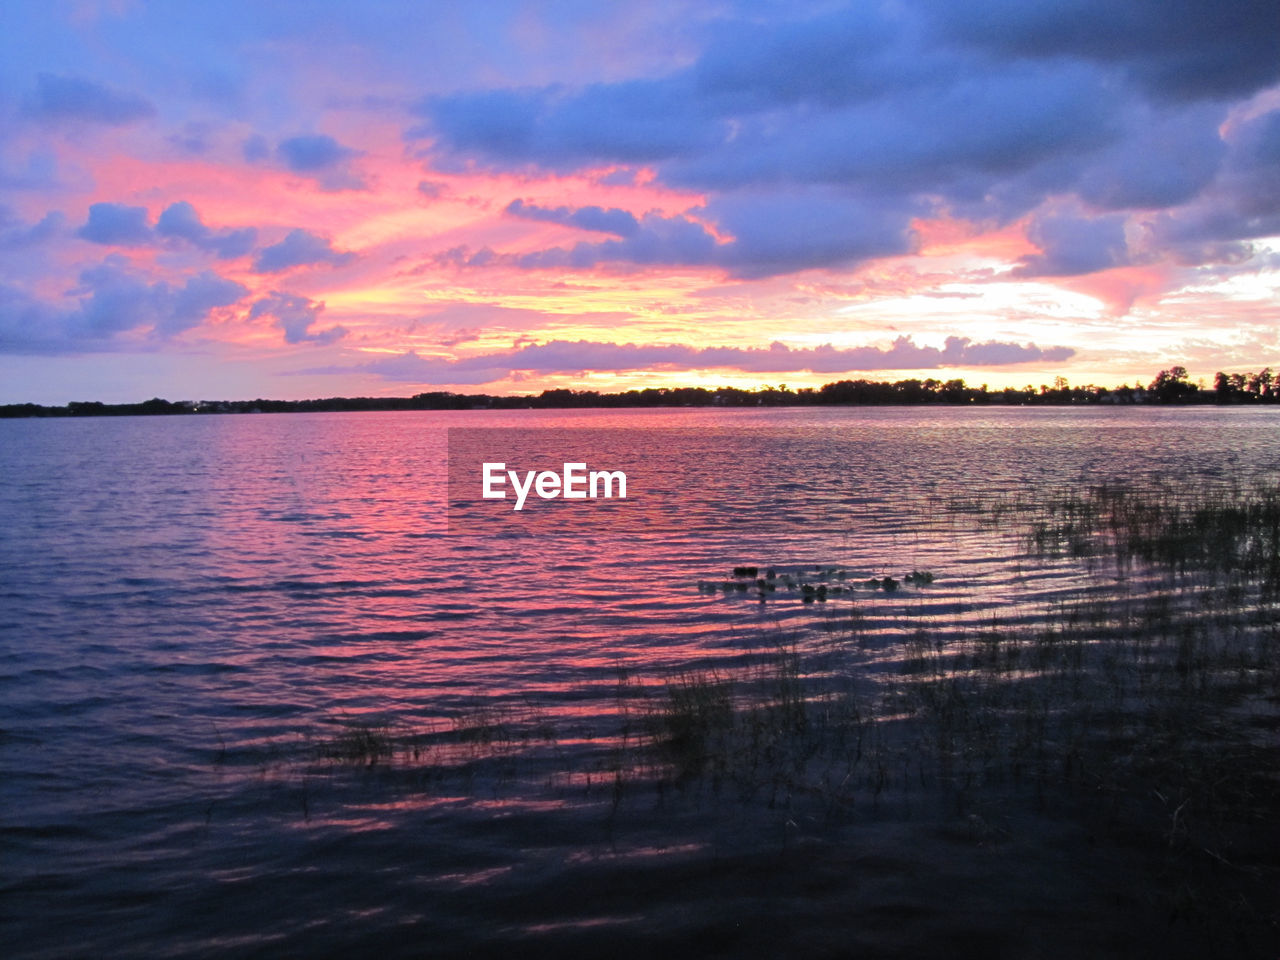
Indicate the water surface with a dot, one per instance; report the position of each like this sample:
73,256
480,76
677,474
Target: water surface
196,610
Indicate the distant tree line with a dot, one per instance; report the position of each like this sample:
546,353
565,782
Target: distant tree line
1170,386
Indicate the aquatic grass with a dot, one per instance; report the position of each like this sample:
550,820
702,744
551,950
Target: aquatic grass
484,724
694,716
1145,707
361,742
1005,702
1218,529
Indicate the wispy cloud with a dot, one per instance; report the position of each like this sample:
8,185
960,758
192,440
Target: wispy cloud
568,357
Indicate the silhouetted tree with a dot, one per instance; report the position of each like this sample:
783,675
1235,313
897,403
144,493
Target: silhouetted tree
1223,387
1172,386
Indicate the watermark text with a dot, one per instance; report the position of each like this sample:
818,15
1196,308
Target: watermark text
573,482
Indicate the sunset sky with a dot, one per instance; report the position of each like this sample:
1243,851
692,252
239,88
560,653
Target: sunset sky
305,199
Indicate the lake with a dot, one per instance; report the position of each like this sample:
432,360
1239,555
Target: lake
271,686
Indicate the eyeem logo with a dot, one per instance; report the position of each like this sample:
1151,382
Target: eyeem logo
603,475
572,483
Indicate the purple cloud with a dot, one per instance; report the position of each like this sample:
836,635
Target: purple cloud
773,233
783,231
1242,204
323,159
657,239
299,248
194,139
619,222
73,99
116,224
30,325
114,300
1071,245
255,148
296,315
180,220
15,234
110,300
902,110
188,305
307,154
1166,157
573,357
1176,51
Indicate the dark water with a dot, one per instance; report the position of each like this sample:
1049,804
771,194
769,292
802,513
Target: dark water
200,616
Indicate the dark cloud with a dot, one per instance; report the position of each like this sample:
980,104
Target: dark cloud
188,305
308,154
323,159
803,105
28,325
1165,158
113,299
573,357
116,224
296,315
771,233
955,142
73,99
787,230
193,139
1174,49
638,121
1071,245
1242,204
657,239
984,110
15,234
255,148
615,221
1253,168
110,300
181,220
490,123
1259,142
299,248
36,170
831,60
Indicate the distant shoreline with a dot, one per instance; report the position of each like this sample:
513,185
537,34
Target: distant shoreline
1169,387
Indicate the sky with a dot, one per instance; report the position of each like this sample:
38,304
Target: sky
311,199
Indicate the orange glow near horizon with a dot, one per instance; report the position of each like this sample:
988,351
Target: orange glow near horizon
398,283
